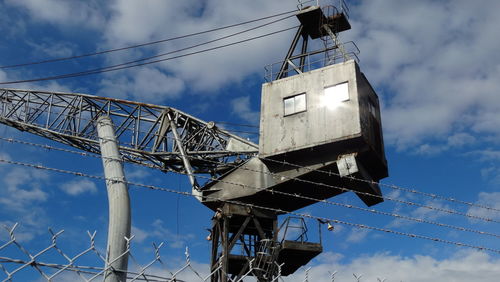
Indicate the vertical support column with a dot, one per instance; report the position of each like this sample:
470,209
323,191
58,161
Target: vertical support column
255,230
119,203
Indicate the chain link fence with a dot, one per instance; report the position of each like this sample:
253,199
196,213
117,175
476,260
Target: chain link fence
52,263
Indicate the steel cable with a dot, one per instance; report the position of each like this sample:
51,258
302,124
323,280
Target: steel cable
278,211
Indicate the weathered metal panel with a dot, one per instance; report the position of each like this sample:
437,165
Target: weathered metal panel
321,123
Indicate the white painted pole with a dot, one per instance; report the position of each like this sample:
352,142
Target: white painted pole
119,203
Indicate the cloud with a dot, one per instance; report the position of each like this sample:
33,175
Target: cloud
144,84
131,22
242,108
63,13
357,235
158,231
22,199
464,266
22,188
489,157
52,49
489,200
79,186
139,235
440,75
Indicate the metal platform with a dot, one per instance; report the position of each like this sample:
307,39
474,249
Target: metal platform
293,255
313,18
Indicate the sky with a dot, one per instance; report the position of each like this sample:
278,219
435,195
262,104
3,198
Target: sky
434,64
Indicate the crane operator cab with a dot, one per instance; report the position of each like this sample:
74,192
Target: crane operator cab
320,126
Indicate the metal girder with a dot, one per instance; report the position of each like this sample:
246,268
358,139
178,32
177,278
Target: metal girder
144,131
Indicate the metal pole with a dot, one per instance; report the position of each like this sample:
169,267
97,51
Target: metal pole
119,203
187,165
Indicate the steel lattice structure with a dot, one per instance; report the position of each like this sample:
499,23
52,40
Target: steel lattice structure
157,136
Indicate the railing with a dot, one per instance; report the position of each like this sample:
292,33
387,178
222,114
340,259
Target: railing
313,60
339,4
296,227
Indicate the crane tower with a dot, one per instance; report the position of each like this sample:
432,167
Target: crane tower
320,136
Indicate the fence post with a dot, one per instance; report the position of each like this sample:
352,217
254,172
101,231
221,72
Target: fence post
119,203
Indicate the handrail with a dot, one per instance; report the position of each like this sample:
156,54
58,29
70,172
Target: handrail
312,62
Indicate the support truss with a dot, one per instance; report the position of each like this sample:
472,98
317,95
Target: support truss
157,136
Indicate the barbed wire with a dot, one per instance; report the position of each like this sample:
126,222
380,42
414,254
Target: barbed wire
419,220
392,214
57,262
276,210
392,186
410,203
449,211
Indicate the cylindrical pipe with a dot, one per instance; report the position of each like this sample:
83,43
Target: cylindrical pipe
119,203
187,165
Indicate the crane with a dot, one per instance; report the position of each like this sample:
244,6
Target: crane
320,136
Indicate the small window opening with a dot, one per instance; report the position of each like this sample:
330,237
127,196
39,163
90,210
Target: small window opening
295,104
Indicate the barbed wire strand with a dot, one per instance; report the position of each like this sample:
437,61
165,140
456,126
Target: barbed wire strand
334,203
279,211
449,211
391,186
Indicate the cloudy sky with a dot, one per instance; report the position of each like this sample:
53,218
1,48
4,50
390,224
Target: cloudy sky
434,64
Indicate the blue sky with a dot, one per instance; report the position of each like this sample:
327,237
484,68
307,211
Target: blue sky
434,64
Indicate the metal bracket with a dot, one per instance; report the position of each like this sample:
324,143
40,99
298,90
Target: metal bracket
347,165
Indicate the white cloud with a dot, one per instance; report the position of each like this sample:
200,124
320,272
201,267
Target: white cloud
489,200
79,186
63,13
464,266
171,239
52,49
22,196
22,188
131,22
139,234
241,107
144,84
441,72
357,235
157,231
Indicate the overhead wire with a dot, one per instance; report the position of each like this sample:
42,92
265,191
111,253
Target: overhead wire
278,211
142,44
136,63
409,203
392,214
